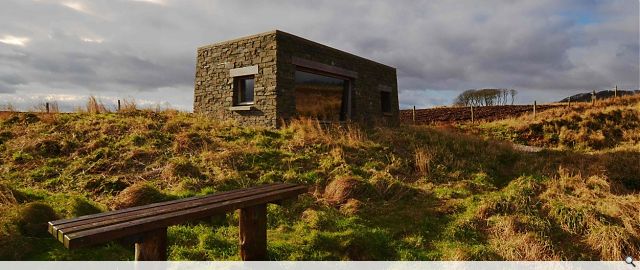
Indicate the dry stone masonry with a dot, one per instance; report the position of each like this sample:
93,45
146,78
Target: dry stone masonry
275,67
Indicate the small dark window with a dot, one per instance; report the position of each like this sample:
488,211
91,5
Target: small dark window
385,101
243,90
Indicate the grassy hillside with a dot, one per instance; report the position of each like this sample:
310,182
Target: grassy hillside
611,124
408,193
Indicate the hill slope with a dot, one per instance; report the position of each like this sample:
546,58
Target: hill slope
611,124
600,95
407,193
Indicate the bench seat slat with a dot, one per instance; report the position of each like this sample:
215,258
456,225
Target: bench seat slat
143,207
86,224
100,234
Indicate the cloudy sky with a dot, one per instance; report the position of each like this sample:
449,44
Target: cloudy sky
66,50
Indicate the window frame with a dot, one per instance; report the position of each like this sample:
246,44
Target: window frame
239,90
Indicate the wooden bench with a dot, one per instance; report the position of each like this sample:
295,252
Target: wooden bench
147,224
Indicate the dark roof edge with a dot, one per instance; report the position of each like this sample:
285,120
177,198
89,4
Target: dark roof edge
280,32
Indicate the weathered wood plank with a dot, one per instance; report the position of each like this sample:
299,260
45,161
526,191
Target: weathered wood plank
133,227
253,233
152,246
86,224
147,207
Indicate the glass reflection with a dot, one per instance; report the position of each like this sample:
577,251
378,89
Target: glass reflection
321,97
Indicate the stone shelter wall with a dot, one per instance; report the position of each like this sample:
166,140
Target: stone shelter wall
215,68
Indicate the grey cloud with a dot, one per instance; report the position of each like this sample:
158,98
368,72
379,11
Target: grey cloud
439,47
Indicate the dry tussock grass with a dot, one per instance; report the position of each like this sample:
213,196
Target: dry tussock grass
512,240
587,206
631,102
343,188
612,242
423,160
128,105
137,194
6,196
309,131
95,106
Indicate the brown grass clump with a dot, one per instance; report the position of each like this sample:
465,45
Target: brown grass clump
423,159
136,195
179,168
190,142
128,105
33,217
310,131
514,238
95,106
351,207
343,188
608,223
307,131
613,242
6,196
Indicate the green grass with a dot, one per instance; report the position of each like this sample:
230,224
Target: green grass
405,193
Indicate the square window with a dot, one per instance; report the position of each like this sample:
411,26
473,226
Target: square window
243,90
385,101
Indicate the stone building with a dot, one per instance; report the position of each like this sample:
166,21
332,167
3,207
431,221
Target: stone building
268,78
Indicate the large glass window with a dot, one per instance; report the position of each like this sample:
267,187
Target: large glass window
243,90
322,97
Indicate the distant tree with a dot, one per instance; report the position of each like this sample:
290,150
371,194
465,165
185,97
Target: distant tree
513,93
466,98
484,97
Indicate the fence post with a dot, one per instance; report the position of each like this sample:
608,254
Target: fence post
119,105
534,108
472,120
569,103
593,98
615,93
47,106
414,114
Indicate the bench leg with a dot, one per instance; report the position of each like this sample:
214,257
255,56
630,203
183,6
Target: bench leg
152,246
253,233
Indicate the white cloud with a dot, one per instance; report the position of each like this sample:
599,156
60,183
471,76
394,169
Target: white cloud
13,40
157,2
77,6
92,40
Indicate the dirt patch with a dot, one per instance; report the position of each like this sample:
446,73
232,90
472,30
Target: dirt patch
461,114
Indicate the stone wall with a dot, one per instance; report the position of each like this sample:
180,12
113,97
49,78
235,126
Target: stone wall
274,53
371,78
213,94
